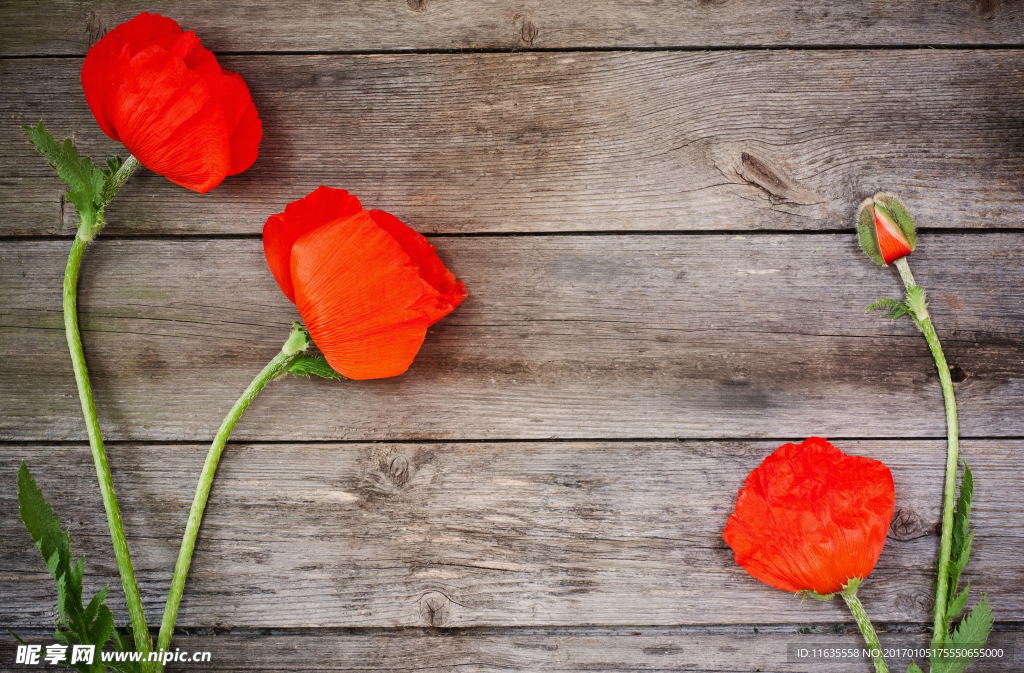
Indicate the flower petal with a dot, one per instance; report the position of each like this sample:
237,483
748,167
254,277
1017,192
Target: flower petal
281,231
891,241
136,34
167,118
450,292
362,298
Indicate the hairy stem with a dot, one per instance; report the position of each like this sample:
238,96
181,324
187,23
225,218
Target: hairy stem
941,625
849,594
292,350
124,562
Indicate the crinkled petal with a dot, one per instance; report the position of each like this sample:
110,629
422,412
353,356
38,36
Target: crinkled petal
167,118
811,517
136,34
211,127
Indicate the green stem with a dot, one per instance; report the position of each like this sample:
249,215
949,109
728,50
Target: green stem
99,454
849,594
941,626
298,341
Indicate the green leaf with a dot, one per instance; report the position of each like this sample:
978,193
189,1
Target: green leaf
84,180
960,549
92,625
313,366
972,633
893,309
975,627
94,605
113,166
103,627
963,512
913,668
956,603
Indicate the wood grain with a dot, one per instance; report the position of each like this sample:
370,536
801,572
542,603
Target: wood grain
487,534
561,336
641,648
541,142
68,27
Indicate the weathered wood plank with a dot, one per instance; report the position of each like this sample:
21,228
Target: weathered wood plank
69,27
486,534
531,649
564,336
561,336
575,142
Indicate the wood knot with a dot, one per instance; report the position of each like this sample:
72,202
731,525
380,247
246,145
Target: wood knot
396,467
957,374
435,608
906,525
914,604
986,9
94,29
529,33
778,188
417,5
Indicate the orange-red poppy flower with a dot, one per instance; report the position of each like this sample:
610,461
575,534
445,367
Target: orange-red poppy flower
158,91
366,285
811,518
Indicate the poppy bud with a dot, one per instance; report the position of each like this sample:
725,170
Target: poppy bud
811,518
885,228
366,285
158,91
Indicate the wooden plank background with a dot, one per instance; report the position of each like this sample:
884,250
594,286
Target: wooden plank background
651,205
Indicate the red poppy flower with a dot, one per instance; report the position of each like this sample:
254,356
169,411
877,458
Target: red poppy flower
366,285
811,518
158,91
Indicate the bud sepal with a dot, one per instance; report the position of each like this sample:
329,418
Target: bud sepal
885,228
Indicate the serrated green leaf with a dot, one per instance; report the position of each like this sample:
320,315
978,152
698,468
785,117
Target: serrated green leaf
313,366
103,627
956,603
893,309
35,512
113,166
975,627
960,549
916,301
94,605
84,180
93,625
913,668
971,633
963,512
